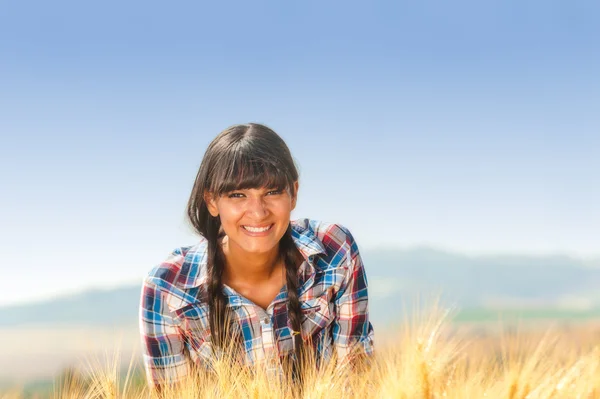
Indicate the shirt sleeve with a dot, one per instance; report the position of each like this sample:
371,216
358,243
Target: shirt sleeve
163,345
352,332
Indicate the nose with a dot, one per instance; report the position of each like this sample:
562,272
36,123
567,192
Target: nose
257,208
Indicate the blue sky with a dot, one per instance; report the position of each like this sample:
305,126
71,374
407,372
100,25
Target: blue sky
467,126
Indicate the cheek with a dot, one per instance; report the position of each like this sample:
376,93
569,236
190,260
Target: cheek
283,209
230,214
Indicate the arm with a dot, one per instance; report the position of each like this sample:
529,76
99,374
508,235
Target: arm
163,345
352,331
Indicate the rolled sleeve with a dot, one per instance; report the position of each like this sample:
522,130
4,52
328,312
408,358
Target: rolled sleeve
163,345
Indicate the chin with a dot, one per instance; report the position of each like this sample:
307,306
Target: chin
260,247
259,250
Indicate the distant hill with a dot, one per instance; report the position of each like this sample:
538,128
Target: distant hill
101,307
395,276
479,280
482,282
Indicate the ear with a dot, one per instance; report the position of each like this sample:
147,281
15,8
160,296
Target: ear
211,204
295,197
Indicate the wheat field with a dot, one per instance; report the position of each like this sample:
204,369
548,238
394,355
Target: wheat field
424,357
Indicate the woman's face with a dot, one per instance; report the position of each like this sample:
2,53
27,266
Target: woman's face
254,220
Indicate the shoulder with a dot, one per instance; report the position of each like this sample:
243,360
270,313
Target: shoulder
184,268
336,240
328,233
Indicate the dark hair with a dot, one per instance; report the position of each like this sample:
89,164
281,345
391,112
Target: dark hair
240,157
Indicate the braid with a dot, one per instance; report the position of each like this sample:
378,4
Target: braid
216,298
290,256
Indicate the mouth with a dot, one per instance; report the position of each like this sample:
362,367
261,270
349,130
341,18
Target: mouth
258,229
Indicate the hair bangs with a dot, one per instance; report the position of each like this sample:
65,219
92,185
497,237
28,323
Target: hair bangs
239,170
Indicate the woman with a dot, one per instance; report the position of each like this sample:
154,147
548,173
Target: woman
272,286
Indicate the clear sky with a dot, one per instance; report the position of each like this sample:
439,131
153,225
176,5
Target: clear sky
469,126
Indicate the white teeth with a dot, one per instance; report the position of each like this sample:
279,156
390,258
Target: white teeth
256,229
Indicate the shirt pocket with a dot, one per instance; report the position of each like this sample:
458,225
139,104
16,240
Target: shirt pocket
195,323
317,315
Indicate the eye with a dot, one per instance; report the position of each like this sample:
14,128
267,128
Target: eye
235,195
274,192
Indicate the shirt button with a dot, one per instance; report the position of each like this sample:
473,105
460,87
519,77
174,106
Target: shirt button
266,320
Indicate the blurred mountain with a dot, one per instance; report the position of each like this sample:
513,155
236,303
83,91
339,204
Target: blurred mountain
94,307
476,280
491,282
395,277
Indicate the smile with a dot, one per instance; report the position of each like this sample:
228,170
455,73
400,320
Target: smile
257,229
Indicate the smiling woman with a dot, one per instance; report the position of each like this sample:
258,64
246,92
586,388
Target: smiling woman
273,287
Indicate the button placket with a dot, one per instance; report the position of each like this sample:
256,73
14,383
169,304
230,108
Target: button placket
268,339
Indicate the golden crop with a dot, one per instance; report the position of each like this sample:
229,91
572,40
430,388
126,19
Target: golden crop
425,357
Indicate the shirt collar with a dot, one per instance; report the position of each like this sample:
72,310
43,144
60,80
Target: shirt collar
304,238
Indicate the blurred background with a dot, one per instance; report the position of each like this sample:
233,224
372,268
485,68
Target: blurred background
458,141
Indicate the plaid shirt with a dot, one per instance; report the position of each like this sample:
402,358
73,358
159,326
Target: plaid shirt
333,295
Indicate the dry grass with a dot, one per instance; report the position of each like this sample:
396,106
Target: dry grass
425,358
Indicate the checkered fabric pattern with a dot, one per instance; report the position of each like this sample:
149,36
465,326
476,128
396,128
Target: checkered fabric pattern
174,322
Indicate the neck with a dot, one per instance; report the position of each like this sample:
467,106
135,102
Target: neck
249,267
